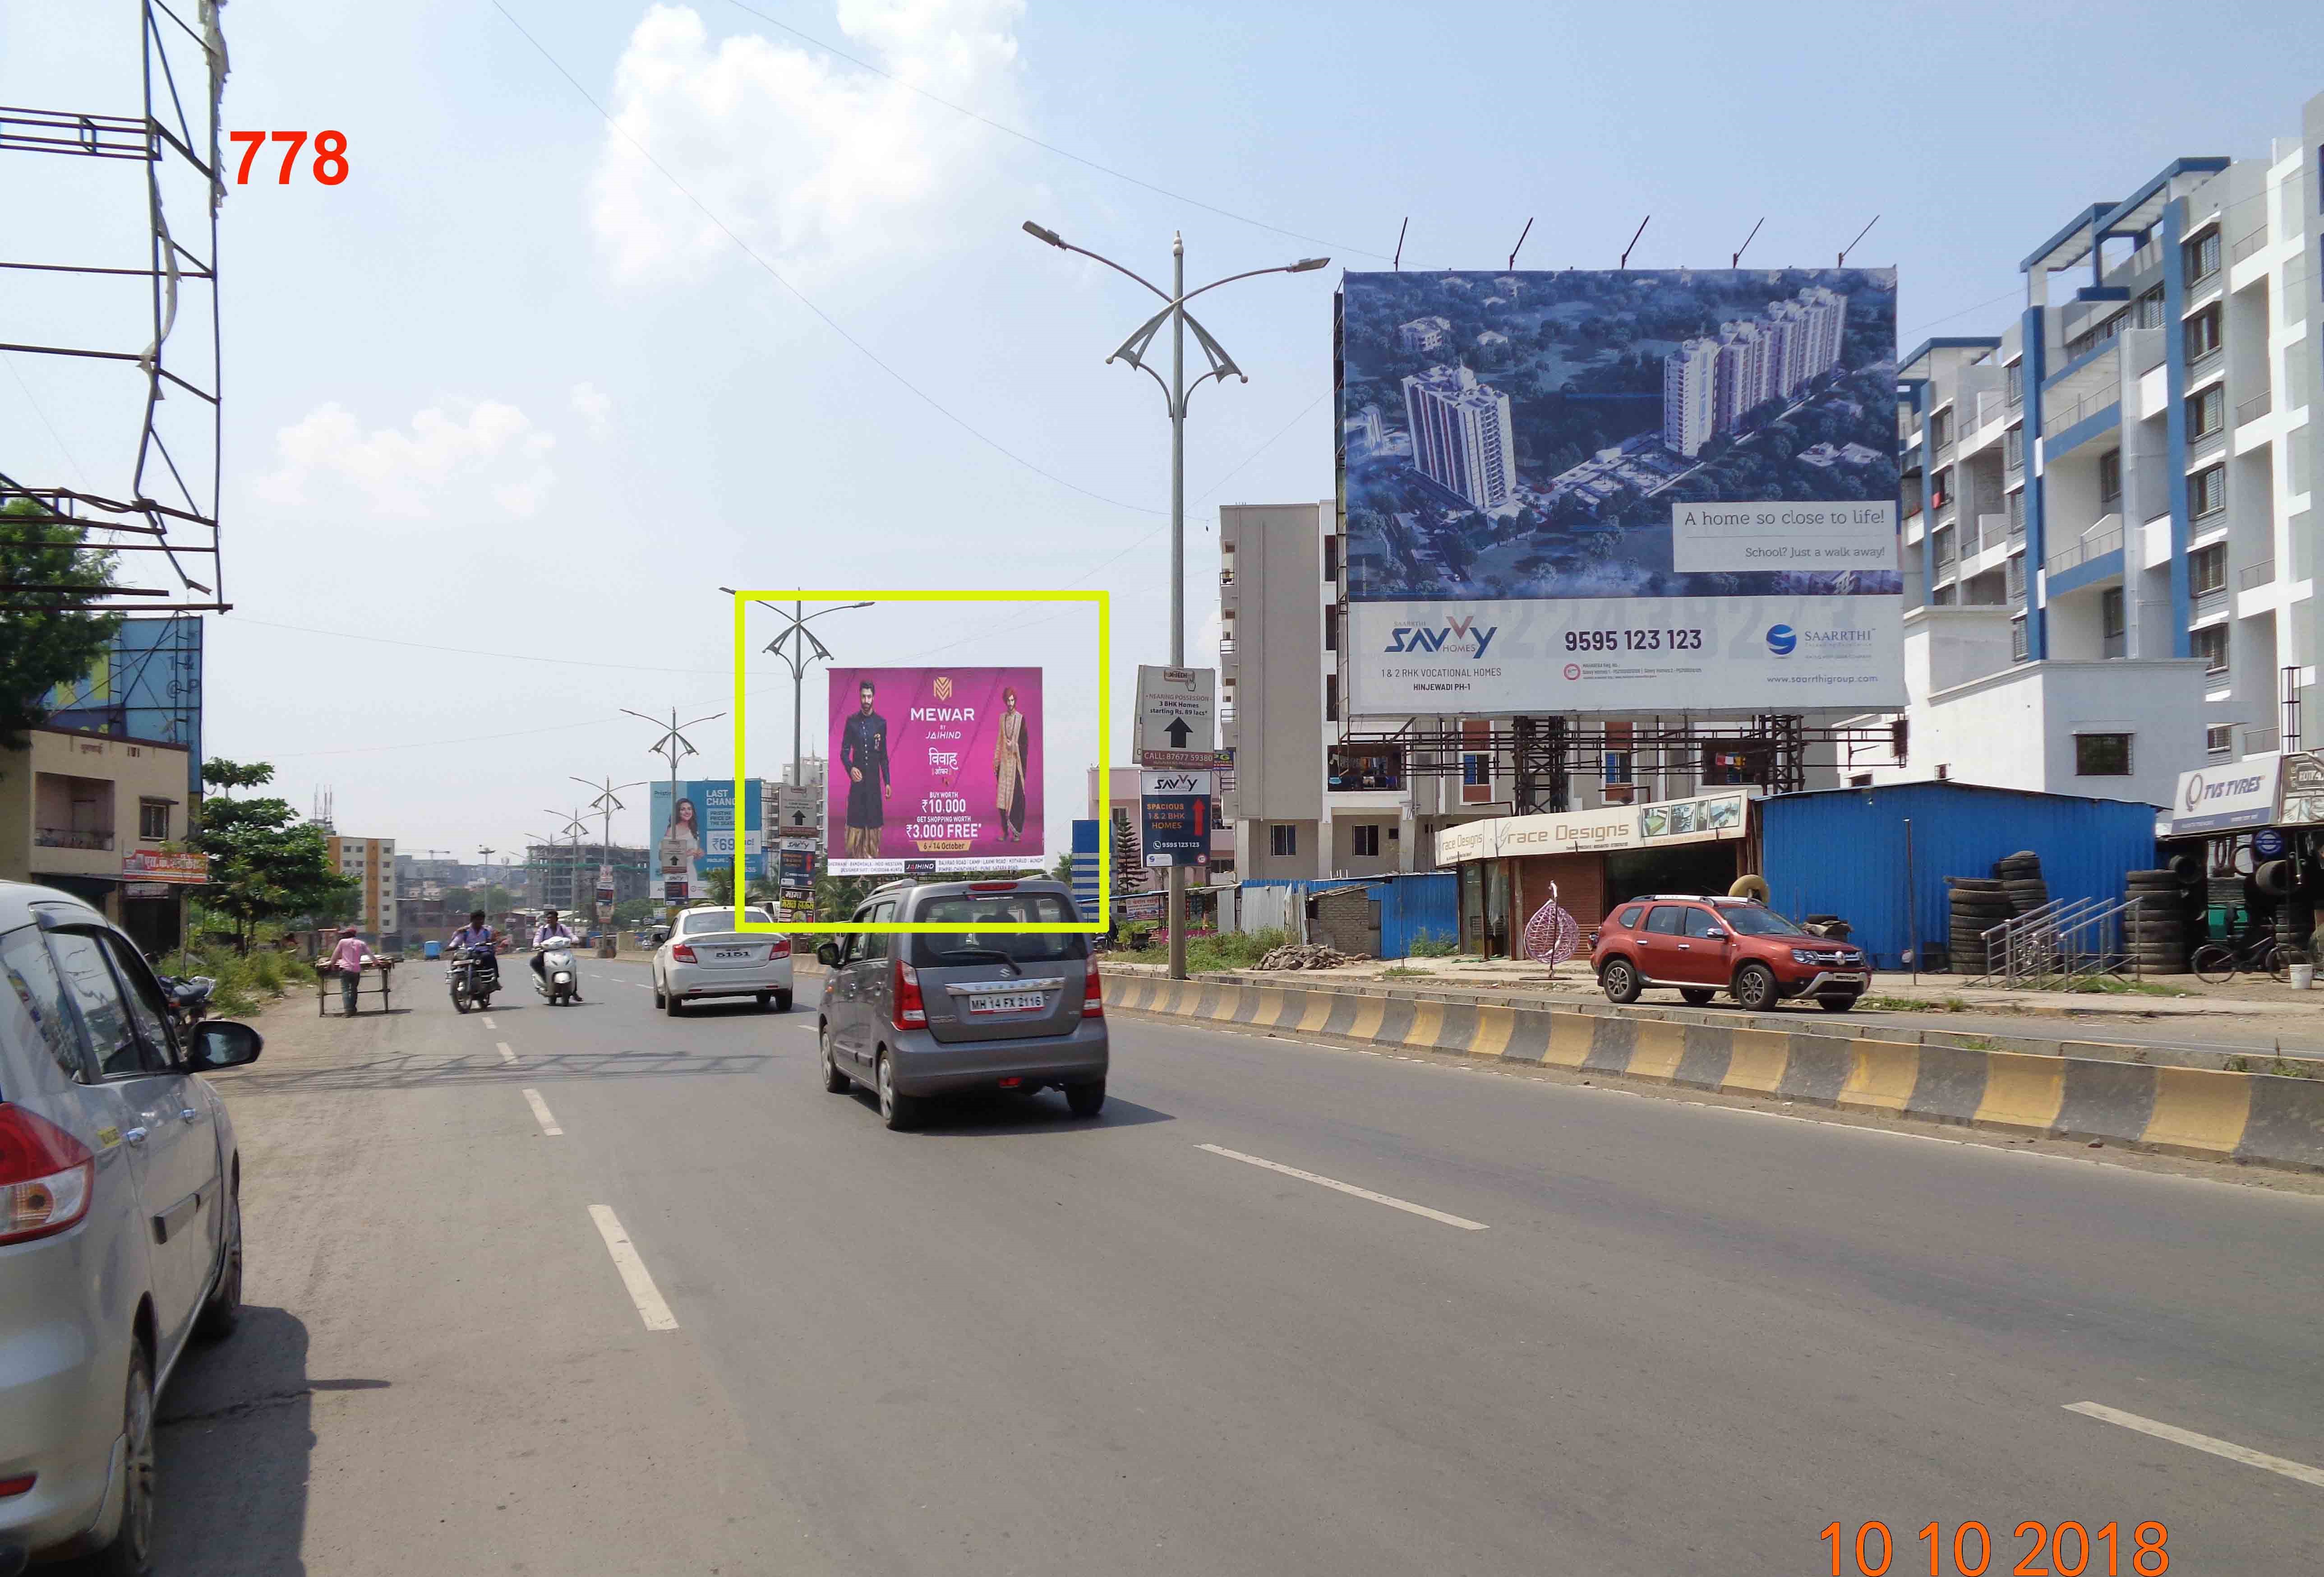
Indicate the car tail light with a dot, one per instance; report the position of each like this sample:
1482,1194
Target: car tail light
46,1176
18,1485
682,953
1092,993
910,1012
782,949
1014,1082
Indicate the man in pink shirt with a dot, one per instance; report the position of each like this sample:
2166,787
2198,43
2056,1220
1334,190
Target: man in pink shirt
348,958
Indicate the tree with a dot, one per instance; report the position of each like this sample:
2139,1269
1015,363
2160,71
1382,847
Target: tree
265,863
1129,872
226,776
1062,870
42,646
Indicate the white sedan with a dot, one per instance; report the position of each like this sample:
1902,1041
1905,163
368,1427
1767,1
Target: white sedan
706,957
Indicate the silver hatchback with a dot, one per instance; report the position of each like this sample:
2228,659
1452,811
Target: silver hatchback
120,1225
916,1016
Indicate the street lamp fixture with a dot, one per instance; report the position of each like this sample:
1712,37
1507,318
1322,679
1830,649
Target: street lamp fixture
1133,350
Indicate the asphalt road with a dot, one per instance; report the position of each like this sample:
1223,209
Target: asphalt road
1560,1328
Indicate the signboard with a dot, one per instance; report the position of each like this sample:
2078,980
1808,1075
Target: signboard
1144,906
936,765
1589,492
694,832
1177,721
1174,816
2302,789
798,810
2234,794
1705,818
155,865
145,890
795,870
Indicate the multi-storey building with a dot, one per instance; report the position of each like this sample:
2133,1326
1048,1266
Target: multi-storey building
1462,437
1708,383
372,863
2108,532
1423,334
81,811
1691,395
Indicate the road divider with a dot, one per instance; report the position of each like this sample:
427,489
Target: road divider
2262,1119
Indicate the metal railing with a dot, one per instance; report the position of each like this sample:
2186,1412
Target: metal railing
1992,529
2247,245
2259,741
2065,941
2056,420
2257,406
2094,543
2259,573
65,837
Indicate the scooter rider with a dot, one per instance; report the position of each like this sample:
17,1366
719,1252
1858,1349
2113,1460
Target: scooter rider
547,934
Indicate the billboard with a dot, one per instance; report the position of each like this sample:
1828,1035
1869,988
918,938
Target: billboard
933,765
1598,492
695,831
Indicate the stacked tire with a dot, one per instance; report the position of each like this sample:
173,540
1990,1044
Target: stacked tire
2159,934
1977,904
2020,875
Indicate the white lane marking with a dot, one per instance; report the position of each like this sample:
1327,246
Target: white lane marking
2227,1448
540,1112
506,1055
1463,1222
651,1308
489,1024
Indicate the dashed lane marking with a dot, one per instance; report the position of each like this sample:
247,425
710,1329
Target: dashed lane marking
2313,1476
1463,1222
540,1113
506,1055
651,1308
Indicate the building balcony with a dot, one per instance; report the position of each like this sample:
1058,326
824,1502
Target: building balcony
66,837
2259,573
2257,406
2101,539
2247,245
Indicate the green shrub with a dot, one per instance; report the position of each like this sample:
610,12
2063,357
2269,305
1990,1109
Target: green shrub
1429,945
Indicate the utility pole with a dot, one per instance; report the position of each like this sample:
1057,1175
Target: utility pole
1133,351
606,803
673,747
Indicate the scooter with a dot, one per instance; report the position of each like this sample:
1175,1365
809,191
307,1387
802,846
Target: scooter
190,998
474,976
557,978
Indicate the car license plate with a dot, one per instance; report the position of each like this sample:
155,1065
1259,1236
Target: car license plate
1847,975
1007,1002
732,953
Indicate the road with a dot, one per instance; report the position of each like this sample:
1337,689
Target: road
1560,1328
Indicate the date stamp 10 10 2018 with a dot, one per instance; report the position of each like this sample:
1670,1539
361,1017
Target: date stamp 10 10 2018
2068,1549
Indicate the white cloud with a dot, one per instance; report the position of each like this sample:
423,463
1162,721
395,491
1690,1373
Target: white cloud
400,472
595,407
815,162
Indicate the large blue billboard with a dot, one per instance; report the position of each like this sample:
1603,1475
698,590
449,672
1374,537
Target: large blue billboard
693,833
1588,491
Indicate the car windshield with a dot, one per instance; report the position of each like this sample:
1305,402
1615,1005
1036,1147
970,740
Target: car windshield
700,920
1759,922
979,909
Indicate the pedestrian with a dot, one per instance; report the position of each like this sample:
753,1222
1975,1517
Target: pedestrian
348,958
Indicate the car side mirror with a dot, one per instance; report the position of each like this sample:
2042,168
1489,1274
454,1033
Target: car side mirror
827,954
220,1042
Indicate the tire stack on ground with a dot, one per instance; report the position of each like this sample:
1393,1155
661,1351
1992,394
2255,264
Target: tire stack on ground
1979,903
2158,935
2020,875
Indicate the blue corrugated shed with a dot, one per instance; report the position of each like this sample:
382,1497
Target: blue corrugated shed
1842,852
1423,904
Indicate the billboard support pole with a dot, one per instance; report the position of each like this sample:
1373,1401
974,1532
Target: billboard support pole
1633,246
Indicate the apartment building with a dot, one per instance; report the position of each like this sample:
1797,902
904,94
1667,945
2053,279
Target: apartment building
2107,530
372,863
87,813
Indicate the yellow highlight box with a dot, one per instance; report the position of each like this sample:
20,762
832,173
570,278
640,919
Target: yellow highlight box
1104,603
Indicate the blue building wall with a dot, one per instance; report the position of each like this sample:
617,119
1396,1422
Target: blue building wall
1424,905
1842,852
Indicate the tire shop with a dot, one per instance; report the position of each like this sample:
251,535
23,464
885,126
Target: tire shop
1592,860
2244,841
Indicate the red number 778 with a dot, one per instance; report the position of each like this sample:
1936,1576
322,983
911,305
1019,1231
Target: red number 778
330,147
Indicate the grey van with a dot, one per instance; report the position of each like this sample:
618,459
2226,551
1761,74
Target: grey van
915,1016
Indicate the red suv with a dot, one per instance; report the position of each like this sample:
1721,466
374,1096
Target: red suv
1704,945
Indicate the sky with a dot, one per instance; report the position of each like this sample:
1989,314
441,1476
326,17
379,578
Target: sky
508,406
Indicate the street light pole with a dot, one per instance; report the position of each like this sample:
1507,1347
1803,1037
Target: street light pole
674,746
1133,351
798,647
606,803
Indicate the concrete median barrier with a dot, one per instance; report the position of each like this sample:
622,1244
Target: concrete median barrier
2257,1118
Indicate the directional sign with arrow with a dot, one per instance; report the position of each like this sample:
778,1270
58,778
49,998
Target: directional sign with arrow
1178,717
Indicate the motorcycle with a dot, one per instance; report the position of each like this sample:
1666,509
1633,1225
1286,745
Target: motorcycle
557,978
474,976
190,998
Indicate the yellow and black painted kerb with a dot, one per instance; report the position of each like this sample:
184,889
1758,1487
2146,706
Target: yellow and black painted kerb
2264,1118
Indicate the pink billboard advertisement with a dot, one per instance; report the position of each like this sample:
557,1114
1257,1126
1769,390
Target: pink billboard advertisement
937,766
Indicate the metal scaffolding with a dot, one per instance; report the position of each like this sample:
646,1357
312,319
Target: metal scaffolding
160,507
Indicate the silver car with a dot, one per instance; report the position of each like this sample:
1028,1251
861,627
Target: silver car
915,1016
120,1226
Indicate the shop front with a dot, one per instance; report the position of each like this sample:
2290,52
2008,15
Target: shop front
1591,860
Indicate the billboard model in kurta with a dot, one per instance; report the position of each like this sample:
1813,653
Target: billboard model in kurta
932,764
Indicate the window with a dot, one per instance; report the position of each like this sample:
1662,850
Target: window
878,944
1666,919
2207,492
1331,558
2150,309
2210,644
1940,429
2102,755
2202,331
1702,925
1363,840
996,908
1628,918
2110,613
32,979
1617,766
2018,647
1331,698
146,1007
1860,780
2016,375
1940,490
2219,739
2110,477
1282,842
1331,628
2017,512
2206,568
2013,448
2207,413
113,1034
2203,257
154,820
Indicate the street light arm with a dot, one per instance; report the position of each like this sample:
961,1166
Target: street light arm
1062,244
1302,266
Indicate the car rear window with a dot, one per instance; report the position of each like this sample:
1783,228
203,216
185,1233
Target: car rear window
695,922
1629,917
980,909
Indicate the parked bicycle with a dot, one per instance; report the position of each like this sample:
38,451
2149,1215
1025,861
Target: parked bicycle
2217,962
